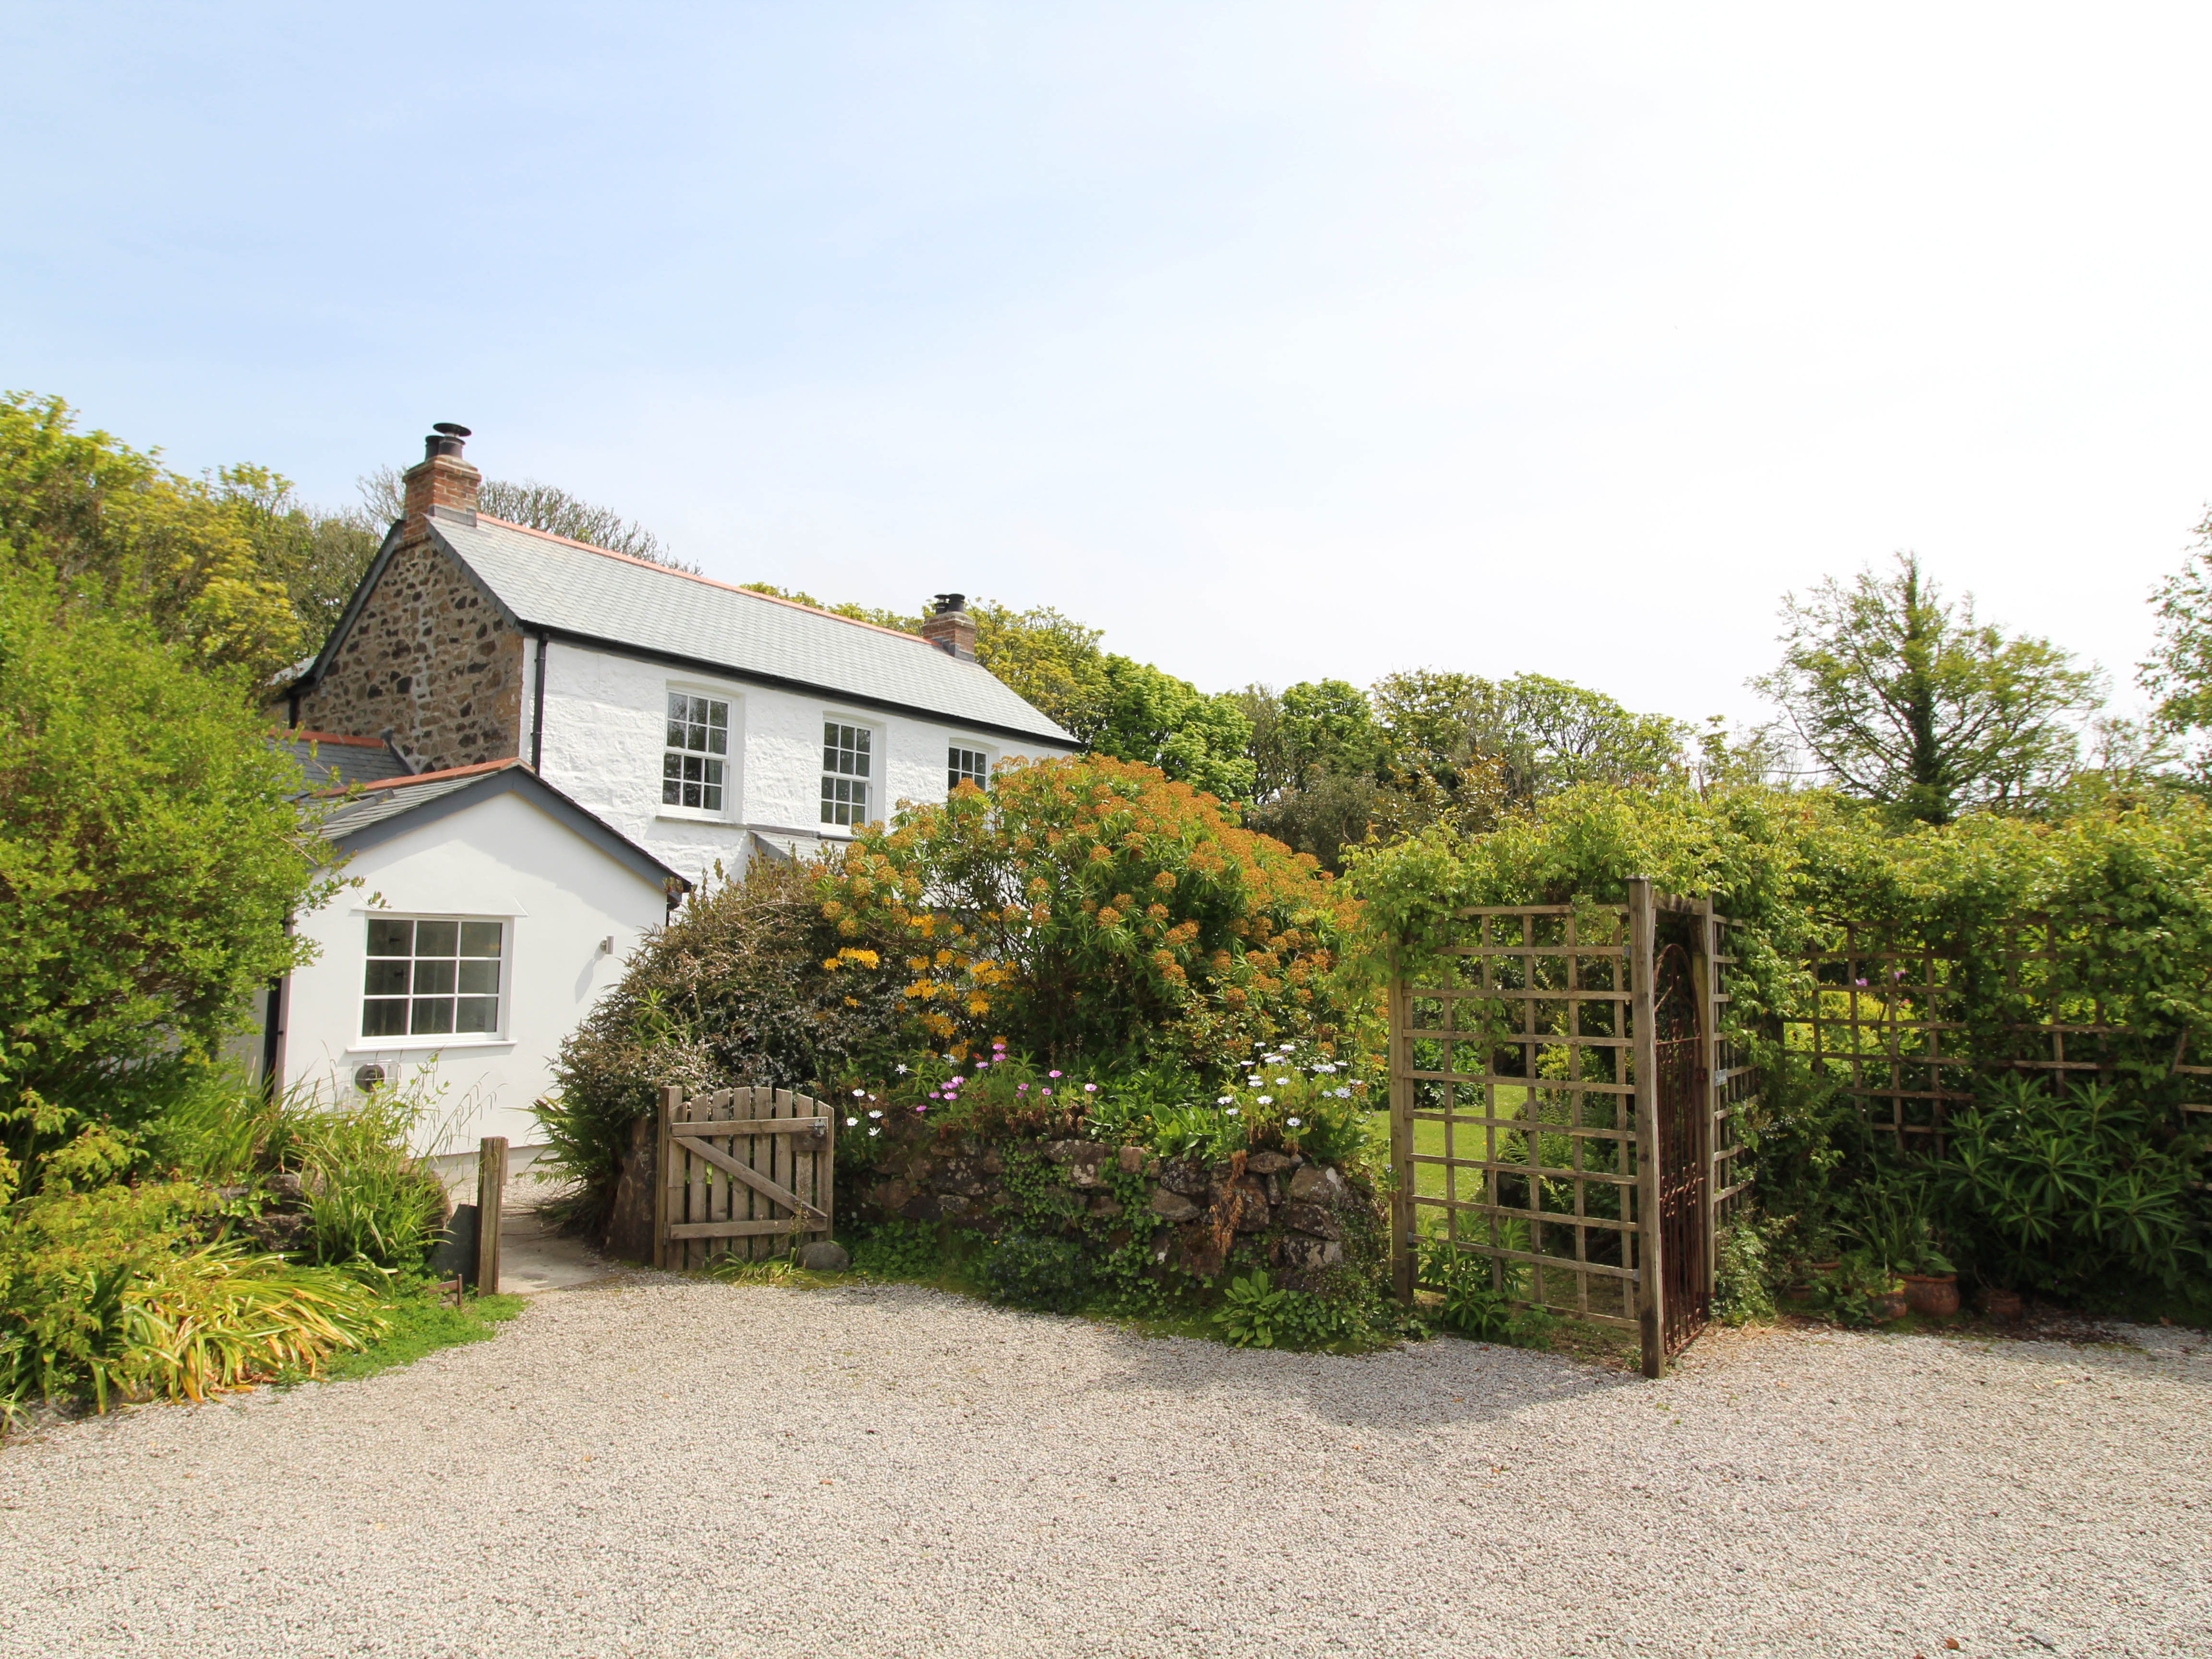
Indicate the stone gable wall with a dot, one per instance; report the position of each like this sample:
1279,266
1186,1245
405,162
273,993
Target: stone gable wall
431,658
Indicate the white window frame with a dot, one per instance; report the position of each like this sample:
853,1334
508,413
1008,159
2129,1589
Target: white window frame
877,776
501,1034
988,751
727,811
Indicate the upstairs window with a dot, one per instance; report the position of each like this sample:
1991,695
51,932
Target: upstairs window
844,773
966,766
698,747
431,976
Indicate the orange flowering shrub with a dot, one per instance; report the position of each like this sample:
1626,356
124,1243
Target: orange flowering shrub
1091,907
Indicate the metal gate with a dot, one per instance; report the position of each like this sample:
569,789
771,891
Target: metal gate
1685,1166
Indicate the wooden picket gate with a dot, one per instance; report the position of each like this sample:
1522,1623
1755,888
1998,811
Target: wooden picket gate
743,1172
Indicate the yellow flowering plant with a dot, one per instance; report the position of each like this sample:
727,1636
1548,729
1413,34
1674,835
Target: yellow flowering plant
1092,909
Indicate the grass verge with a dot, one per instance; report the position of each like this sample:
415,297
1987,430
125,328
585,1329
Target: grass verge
422,1325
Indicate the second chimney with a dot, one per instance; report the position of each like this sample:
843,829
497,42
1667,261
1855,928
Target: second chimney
951,629
441,479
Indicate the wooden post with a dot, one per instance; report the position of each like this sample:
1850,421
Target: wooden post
1650,1279
491,1196
1402,1263
664,1173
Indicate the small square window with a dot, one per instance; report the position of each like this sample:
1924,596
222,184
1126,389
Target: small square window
844,773
695,751
966,766
432,977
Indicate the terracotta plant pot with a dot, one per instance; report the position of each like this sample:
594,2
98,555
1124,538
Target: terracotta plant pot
1883,1309
2003,1306
1931,1293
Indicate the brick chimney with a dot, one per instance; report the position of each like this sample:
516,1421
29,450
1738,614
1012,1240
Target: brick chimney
951,629
441,479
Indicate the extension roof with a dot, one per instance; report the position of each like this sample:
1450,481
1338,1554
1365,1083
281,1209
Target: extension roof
331,762
570,590
397,805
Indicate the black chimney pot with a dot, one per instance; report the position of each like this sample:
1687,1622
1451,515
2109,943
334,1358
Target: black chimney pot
447,441
950,601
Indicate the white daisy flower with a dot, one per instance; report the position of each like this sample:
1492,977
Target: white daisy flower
1344,1094
852,1123
1232,1111
875,1114
1292,1121
1266,1100
1226,1100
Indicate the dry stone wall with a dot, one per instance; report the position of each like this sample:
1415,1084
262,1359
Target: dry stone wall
1296,1213
431,658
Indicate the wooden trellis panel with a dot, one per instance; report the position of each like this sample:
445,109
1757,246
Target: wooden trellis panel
743,1172
1886,1020
1524,1106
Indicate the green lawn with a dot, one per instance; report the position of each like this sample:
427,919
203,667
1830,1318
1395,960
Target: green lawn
422,1324
1429,1141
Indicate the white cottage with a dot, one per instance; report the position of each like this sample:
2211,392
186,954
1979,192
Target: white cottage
696,724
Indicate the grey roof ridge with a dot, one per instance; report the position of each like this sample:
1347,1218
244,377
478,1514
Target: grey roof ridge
695,576
450,793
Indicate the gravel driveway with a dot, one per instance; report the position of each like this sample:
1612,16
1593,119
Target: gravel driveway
679,1468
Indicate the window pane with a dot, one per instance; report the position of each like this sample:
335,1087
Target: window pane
480,938
384,1019
434,978
391,939
436,939
480,979
386,978
434,1016
478,1014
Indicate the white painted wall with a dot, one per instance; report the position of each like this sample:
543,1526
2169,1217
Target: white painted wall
606,718
502,859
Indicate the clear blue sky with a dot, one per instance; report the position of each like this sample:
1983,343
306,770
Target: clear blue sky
1280,340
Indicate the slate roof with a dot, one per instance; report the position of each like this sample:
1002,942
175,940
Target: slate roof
331,762
587,594
383,809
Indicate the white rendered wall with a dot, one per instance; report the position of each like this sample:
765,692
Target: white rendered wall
605,724
504,859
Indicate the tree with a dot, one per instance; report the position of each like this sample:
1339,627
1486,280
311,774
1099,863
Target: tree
1903,698
2179,670
320,555
1550,734
537,506
121,533
1154,719
150,853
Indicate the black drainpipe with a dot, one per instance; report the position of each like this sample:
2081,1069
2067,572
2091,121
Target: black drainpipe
537,709
271,1033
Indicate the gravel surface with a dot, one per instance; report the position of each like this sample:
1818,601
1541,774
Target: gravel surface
669,1467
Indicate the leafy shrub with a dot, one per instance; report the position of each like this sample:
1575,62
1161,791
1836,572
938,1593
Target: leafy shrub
1254,1312
370,1198
100,1292
1090,909
1478,1296
897,1250
1031,1270
149,854
1743,1271
1294,1098
738,989
2054,1190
